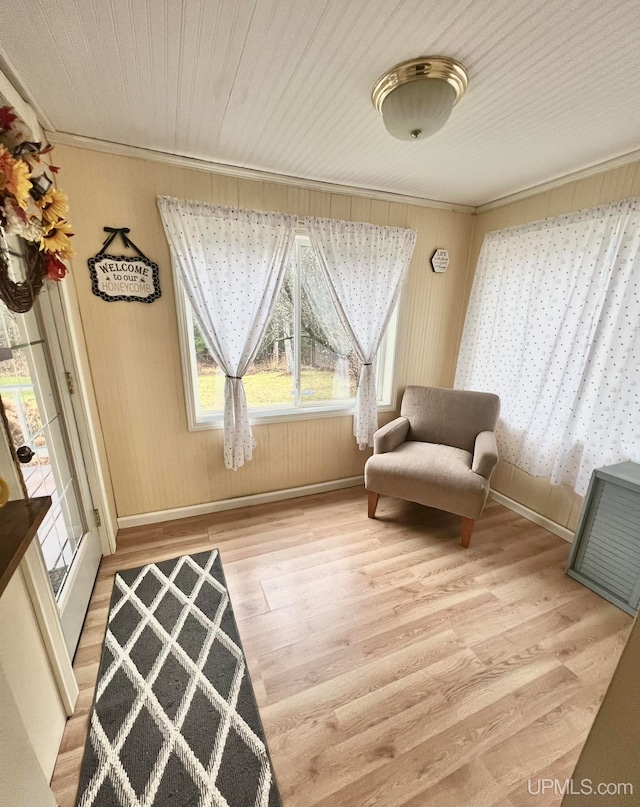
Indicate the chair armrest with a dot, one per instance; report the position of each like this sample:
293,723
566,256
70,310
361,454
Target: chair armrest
390,436
485,454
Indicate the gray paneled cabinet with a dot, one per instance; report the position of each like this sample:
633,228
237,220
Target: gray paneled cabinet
605,555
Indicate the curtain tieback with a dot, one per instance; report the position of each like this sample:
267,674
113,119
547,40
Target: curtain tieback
236,377
368,364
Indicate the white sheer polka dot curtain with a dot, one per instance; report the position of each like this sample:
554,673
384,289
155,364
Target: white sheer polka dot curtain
232,264
365,266
553,327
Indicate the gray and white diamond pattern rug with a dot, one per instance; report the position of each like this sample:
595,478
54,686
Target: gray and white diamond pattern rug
175,721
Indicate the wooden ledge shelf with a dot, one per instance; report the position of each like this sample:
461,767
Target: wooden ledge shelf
19,522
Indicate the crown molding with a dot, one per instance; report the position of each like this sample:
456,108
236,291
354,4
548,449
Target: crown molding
22,100
9,95
17,94
196,164
574,176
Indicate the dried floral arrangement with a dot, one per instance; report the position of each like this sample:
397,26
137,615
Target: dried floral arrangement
32,209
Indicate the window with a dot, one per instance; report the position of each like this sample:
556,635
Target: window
552,328
305,364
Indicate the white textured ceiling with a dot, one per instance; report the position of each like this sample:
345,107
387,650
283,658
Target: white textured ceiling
284,85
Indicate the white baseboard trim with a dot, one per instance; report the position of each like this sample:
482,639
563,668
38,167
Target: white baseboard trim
142,519
537,518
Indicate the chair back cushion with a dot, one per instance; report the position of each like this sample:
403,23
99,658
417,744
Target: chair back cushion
449,416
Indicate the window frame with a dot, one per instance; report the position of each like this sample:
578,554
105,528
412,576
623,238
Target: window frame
198,420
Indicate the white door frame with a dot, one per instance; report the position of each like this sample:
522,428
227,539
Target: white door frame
76,383
33,567
88,419
45,608
85,406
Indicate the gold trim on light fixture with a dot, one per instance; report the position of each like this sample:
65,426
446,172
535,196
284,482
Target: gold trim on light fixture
441,67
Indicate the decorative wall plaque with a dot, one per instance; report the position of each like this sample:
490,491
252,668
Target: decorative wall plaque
120,277
440,260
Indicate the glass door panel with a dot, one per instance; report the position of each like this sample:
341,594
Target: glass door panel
37,434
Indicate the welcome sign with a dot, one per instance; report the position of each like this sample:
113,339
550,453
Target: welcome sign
119,277
116,277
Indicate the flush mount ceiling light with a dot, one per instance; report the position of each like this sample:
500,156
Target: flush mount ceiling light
415,98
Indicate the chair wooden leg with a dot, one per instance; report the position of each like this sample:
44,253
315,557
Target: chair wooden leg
373,503
467,529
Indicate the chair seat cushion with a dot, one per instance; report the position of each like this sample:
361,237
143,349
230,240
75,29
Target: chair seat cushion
431,474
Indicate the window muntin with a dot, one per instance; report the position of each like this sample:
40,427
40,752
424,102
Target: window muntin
305,363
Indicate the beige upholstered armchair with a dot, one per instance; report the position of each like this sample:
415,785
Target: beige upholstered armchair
440,452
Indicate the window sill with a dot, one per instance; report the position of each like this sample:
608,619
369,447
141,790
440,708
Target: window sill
283,416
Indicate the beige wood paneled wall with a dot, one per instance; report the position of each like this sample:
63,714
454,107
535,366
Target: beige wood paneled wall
25,664
22,780
31,709
155,462
559,503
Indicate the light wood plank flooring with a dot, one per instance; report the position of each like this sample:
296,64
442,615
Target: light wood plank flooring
391,666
